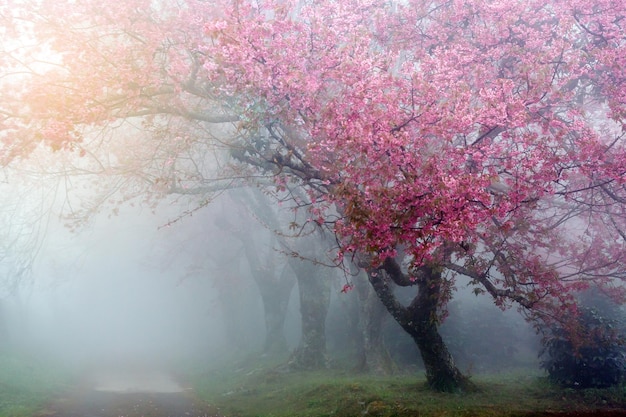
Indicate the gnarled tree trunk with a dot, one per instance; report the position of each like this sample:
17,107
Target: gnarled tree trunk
419,320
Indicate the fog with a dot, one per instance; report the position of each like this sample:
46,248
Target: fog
147,290
110,293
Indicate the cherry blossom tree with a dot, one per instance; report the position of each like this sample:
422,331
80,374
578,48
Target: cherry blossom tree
439,140
480,139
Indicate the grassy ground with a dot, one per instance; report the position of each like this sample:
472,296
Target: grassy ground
268,392
264,390
26,384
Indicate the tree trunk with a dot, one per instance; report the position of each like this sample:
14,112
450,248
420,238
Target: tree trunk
419,320
275,296
373,356
441,372
314,290
275,290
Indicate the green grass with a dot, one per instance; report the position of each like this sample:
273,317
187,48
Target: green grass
256,389
26,384
267,392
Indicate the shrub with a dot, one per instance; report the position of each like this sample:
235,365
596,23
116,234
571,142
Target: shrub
599,361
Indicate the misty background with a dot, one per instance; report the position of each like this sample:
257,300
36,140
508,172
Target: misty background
151,288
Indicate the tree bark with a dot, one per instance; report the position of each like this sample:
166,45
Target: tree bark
314,290
275,291
269,269
419,320
373,356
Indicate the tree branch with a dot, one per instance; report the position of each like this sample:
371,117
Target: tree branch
491,289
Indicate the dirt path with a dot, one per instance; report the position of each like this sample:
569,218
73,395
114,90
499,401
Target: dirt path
92,403
126,394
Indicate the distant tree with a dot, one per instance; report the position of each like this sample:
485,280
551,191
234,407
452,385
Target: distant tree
373,355
435,139
268,266
25,210
206,247
314,283
301,254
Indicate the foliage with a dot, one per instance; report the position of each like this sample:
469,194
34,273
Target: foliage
597,361
450,140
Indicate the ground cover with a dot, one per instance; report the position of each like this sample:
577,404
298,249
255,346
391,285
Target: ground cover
27,383
271,392
32,389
